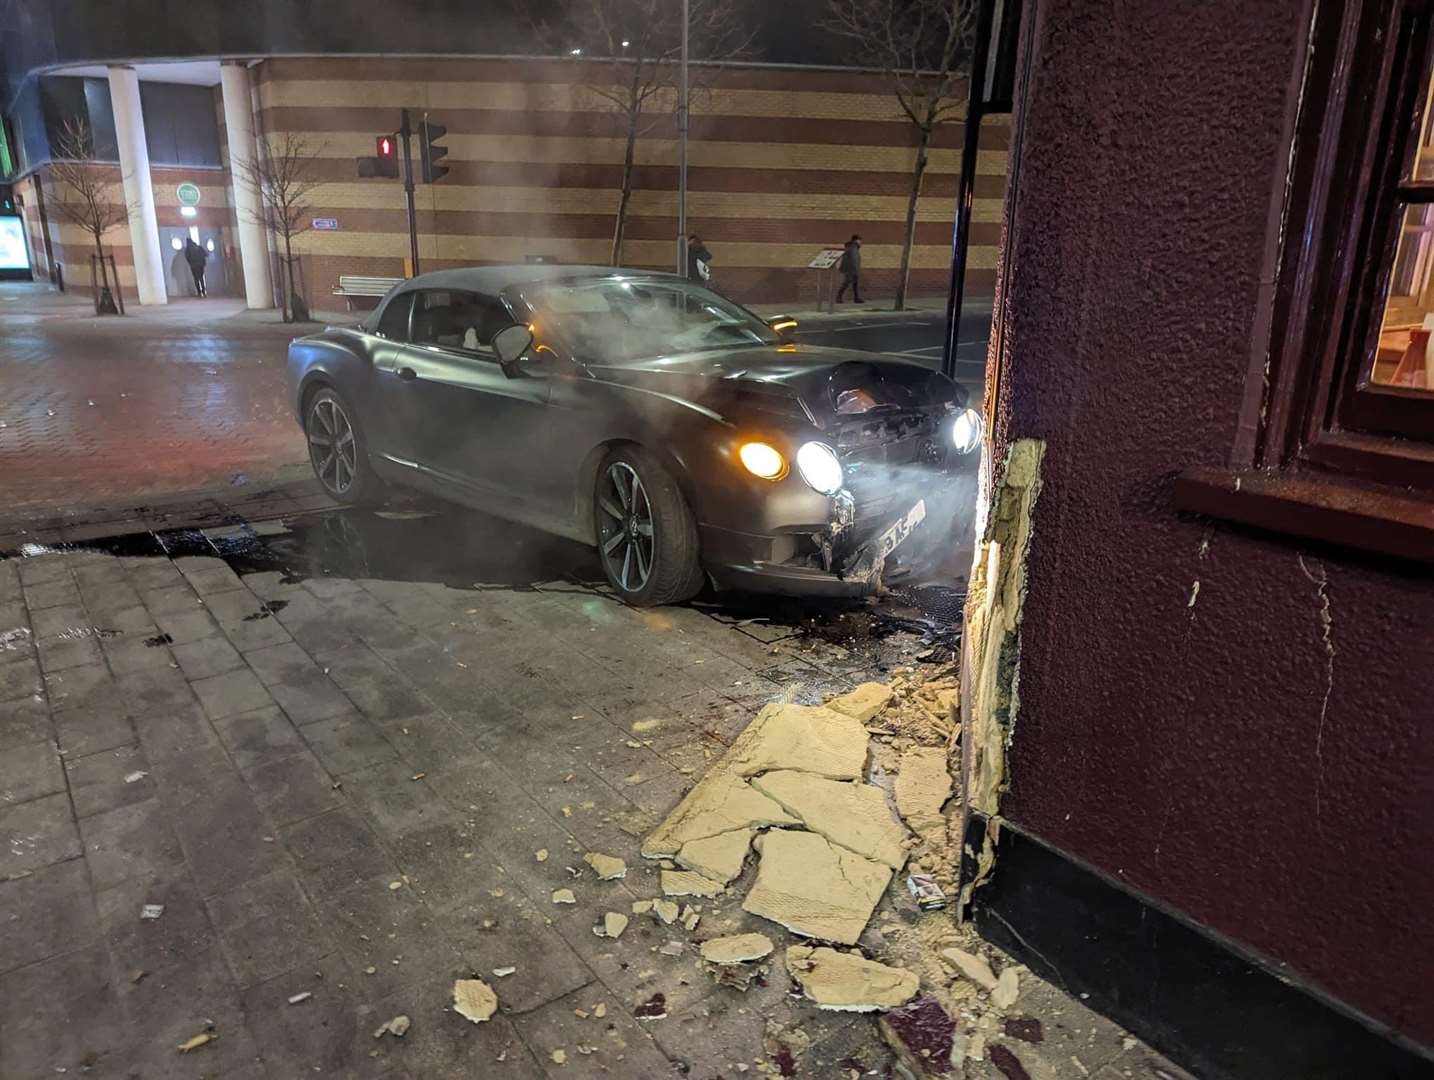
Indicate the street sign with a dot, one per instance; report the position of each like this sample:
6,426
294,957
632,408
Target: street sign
825,259
326,223
187,193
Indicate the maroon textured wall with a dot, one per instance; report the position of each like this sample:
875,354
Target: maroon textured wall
1225,758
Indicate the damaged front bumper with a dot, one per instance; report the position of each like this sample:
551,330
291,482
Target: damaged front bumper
844,558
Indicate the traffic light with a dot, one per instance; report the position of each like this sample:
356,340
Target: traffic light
432,151
384,163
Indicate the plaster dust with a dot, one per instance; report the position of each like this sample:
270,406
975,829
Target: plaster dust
815,888
852,815
848,983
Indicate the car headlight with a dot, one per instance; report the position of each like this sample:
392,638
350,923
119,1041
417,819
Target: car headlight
818,464
762,460
967,430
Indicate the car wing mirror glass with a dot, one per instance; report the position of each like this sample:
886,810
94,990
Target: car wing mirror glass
509,344
782,325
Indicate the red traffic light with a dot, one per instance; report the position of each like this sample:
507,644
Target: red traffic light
384,146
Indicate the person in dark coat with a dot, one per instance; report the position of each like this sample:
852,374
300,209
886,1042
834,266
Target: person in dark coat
699,260
850,267
196,257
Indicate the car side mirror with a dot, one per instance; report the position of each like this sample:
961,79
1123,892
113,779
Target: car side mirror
509,344
783,325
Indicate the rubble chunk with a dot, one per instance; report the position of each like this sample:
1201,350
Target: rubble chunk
972,966
1007,989
736,948
474,999
854,816
607,867
720,802
686,883
613,924
864,702
814,888
922,785
641,907
397,1027
719,857
666,910
812,738
191,1044
847,983
564,896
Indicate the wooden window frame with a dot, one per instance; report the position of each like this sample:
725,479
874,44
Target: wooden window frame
1322,451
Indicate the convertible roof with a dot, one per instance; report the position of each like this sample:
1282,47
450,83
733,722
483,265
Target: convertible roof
493,279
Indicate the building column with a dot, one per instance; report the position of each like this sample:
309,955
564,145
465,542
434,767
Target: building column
239,129
138,189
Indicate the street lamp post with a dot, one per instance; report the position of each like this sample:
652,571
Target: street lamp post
682,151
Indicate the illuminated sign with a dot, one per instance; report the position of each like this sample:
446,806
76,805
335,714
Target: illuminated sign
13,253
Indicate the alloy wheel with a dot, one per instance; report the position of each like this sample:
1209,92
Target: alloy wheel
332,446
626,535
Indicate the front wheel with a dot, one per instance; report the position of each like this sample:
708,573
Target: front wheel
337,451
646,535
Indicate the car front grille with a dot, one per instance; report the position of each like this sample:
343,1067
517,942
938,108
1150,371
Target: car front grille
889,463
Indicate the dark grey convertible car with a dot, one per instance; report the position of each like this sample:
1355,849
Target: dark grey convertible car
672,429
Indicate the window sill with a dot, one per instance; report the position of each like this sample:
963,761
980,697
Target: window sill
1317,507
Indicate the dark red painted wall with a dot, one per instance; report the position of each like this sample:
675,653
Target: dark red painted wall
1208,756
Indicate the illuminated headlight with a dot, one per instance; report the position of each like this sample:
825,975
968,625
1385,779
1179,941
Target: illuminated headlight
762,460
819,467
966,431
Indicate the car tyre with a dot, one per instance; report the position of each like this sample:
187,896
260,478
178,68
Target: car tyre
338,451
646,534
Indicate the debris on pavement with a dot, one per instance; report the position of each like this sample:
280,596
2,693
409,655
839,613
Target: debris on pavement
864,702
135,777
503,972
654,1008
852,815
721,802
564,896
972,966
815,888
666,910
1026,1028
613,924
1007,988
923,1037
151,911
672,948
736,948
718,858
607,867
925,892
923,785
294,999
559,1057
687,883
397,1027
845,982
691,916
474,999
202,1039
541,854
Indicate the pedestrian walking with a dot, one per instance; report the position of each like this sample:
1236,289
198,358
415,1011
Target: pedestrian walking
699,260
196,257
850,267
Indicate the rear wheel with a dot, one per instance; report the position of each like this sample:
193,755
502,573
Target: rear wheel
337,450
646,535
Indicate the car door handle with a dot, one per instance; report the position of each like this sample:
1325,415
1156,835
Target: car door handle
407,374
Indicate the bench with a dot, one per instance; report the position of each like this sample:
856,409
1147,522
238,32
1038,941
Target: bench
352,285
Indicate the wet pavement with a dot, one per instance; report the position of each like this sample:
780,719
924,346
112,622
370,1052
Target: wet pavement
352,756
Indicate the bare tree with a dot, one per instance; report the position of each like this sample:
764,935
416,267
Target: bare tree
91,195
283,175
634,46
923,46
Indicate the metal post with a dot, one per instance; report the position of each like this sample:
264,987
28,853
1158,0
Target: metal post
405,131
966,186
682,152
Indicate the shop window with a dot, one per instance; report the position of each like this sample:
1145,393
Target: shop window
1337,438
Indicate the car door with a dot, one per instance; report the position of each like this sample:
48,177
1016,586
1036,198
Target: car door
390,420
474,426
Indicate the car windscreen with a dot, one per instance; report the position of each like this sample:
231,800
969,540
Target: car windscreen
622,320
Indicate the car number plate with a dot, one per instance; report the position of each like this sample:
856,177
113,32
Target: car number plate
888,541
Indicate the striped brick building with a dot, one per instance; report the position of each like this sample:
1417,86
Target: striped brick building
783,161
